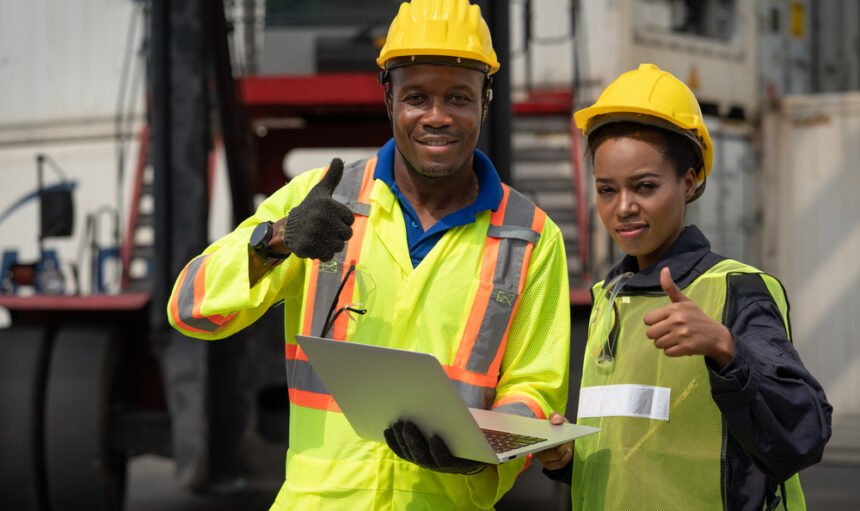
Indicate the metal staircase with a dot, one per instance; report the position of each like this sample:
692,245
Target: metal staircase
138,248
547,167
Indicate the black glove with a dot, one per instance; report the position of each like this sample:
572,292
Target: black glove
319,227
407,441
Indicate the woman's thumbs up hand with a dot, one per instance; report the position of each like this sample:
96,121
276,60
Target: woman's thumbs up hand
683,329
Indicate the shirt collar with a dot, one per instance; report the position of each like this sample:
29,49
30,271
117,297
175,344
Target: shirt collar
687,258
490,191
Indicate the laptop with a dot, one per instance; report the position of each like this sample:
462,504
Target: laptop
375,387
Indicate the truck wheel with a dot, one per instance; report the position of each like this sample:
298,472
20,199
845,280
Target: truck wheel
83,472
23,363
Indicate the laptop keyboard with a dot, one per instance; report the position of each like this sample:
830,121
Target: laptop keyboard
503,441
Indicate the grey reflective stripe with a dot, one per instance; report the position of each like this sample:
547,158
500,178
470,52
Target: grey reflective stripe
509,231
328,280
301,376
350,186
519,213
475,396
516,409
185,302
331,272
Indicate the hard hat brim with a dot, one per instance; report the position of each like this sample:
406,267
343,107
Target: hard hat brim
589,119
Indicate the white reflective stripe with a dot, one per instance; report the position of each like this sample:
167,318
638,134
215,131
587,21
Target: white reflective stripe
625,400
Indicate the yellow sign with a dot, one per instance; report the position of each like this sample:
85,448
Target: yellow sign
798,20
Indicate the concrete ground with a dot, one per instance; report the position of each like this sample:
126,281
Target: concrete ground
151,487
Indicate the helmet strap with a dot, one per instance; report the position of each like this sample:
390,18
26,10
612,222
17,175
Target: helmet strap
486,97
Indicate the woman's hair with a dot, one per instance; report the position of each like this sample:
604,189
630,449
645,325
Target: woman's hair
679,151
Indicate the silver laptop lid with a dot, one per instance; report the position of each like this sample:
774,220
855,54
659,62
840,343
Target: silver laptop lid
375,387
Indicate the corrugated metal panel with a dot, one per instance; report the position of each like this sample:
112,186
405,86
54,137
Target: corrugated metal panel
784,40
812,225
726,213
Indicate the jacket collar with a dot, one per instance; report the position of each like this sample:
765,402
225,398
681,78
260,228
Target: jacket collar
689,257
490,192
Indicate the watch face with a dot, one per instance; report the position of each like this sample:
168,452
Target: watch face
260,236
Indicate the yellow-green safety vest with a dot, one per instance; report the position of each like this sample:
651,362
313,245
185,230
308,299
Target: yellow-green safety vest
662,437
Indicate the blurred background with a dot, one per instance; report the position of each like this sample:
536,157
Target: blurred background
134,132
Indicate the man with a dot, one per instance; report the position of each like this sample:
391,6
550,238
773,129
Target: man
419,248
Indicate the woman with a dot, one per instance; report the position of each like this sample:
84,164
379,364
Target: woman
689,370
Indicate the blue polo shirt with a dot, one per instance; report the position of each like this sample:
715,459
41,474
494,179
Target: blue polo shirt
421,242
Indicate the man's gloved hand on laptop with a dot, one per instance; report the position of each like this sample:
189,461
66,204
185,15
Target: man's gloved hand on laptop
407,441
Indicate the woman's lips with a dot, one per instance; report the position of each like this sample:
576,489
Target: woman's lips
631,231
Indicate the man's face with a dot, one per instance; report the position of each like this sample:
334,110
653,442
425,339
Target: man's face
436,117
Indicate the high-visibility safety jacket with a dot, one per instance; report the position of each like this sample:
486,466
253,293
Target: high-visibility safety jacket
676,432
490,301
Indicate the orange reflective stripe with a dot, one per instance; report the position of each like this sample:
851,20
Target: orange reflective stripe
313,400
310,299
174,304
471,377
353,251
185,302
515,228
305,387
199,289
498,216
220,320
325,277
539,220
528,463
479,305
367,181
513,401
294,352
482,297
537,225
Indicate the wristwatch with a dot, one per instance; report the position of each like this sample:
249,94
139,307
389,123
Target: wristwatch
259,242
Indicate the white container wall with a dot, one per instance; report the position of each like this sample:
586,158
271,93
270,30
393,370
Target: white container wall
812,239
62,60
61,74
716,57
61,69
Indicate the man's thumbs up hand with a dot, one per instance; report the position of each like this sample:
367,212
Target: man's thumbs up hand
331,178
319,227
682,328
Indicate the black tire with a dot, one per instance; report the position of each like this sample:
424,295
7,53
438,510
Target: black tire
82,470
23,364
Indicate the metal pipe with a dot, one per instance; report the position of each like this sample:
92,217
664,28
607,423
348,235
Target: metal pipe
495,137
159,83
40,183
527,46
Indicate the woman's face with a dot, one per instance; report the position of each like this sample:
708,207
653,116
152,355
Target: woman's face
640,199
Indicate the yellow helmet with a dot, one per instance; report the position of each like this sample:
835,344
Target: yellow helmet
650,95
439,28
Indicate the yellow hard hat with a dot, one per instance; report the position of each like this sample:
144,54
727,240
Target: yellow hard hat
650,95
439,28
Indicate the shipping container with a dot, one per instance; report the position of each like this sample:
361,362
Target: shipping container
811,241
